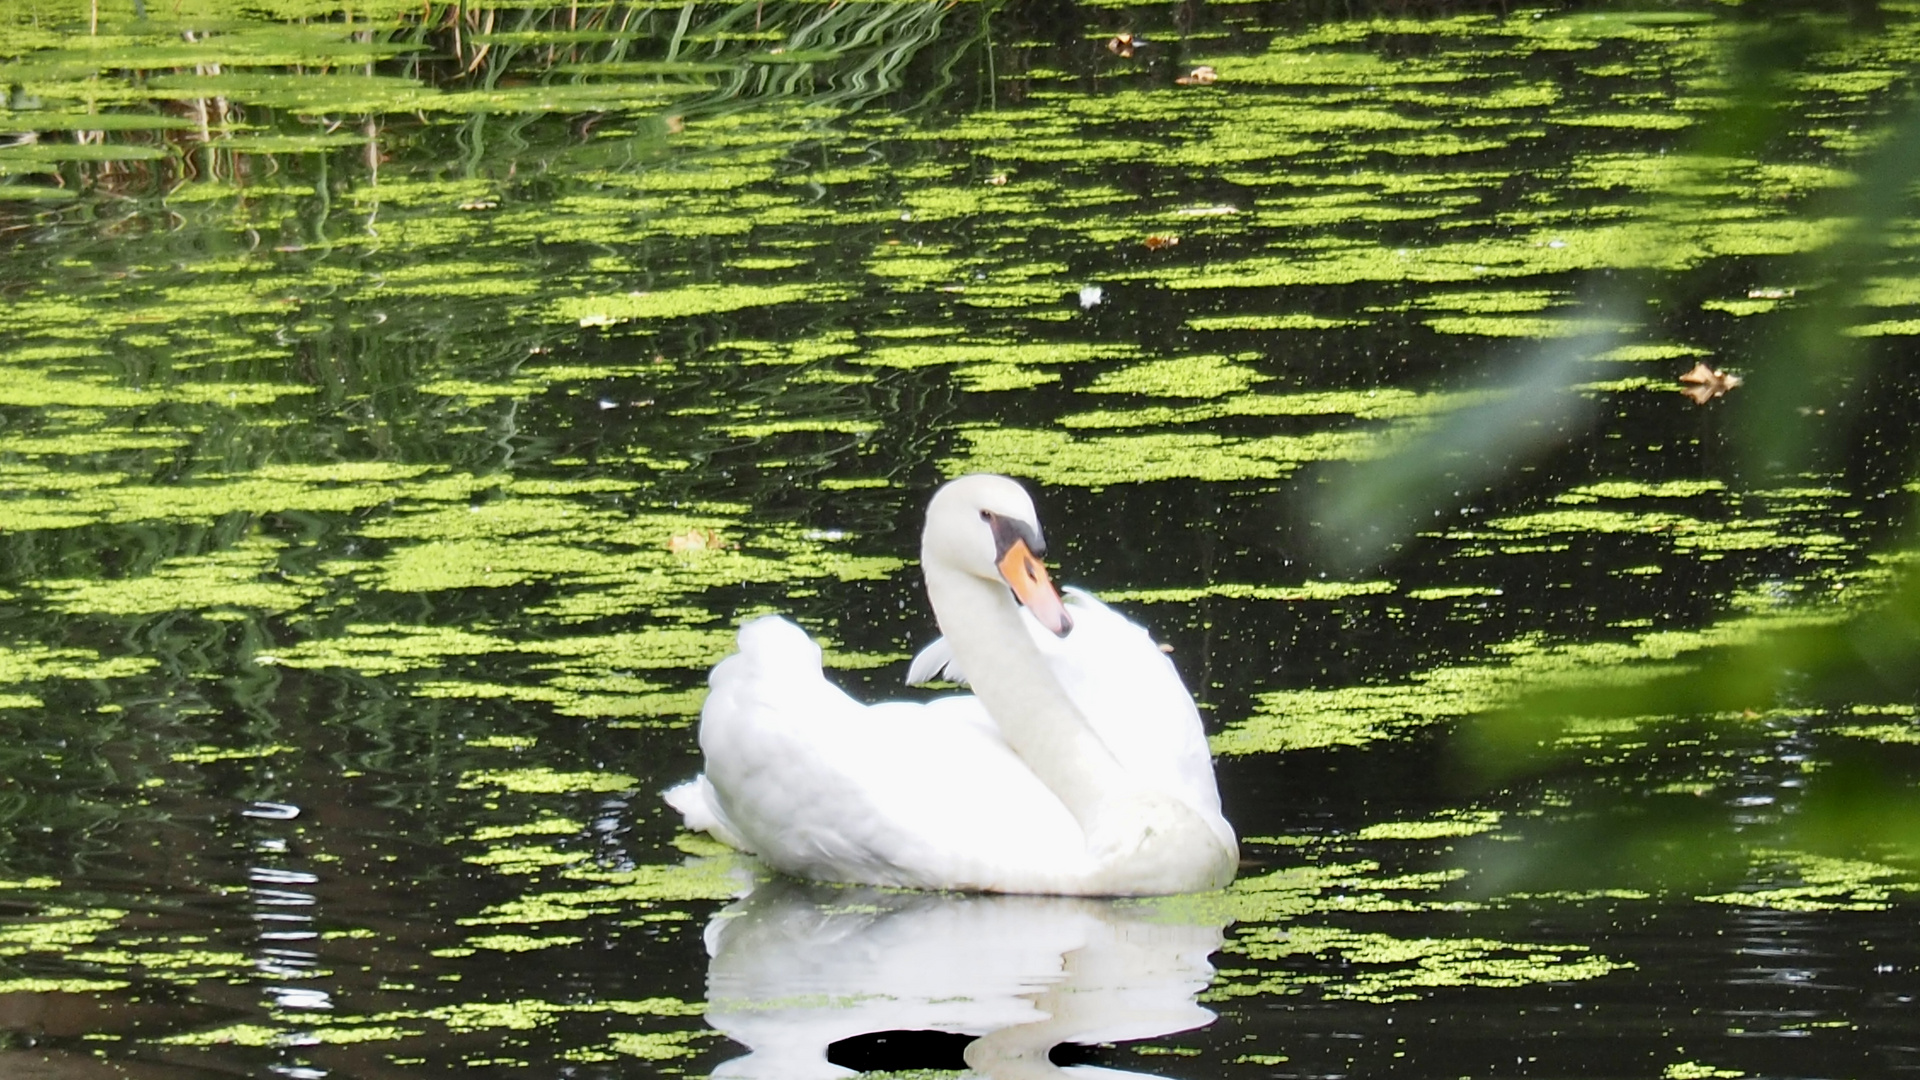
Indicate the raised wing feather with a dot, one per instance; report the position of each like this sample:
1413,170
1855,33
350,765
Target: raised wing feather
936,661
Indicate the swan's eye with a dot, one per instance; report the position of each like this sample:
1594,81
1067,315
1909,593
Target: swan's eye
986,515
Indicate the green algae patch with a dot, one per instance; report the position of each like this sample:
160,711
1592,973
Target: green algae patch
1283,947
594,893
58,930
1514,326
518,943
441,565
1640,354
1187,376
62,986
679,303
207,755
1056,457
1281,896
526,860
1352,716
223,579
1694,1070
230,1035
658,1045
385,649
342,488
77,444
27,665
1905,727
1453,592
541,781
1685,533
1003,353
1285,65
1459,823
1798,881
998,378
1308,591
1367,404
1297,321
1637,489
1620,247
1381,968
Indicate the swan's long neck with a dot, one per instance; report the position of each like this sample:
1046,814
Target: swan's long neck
983,624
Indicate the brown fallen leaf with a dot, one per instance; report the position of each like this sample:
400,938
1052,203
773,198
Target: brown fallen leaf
1160,240
1704,383
1121,44
697,539
1199,76
998,179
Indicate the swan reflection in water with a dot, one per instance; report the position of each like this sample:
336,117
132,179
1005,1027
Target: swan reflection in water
796,968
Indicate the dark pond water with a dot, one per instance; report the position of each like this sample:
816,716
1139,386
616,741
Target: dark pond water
400,406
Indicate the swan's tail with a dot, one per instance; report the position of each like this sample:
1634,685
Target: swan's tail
700,805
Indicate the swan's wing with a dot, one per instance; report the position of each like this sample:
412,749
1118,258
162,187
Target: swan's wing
1131,693
898,794
1126,687
936,661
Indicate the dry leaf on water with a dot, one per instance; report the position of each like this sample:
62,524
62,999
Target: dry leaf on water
1122,44
1704,383
1160,240
697,539
1199,76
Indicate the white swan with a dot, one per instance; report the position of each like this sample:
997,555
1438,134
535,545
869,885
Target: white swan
1078,767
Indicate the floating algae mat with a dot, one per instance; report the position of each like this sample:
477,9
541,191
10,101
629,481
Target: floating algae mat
402,403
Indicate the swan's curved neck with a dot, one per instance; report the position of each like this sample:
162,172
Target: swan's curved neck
983,624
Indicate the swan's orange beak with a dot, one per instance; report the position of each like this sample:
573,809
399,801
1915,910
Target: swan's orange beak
1027,576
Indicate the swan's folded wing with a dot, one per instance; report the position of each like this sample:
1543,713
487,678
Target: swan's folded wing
898,794
1132,694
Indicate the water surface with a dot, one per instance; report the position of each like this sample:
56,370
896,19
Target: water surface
400,406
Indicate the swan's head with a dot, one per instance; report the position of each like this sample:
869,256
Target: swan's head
985,526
